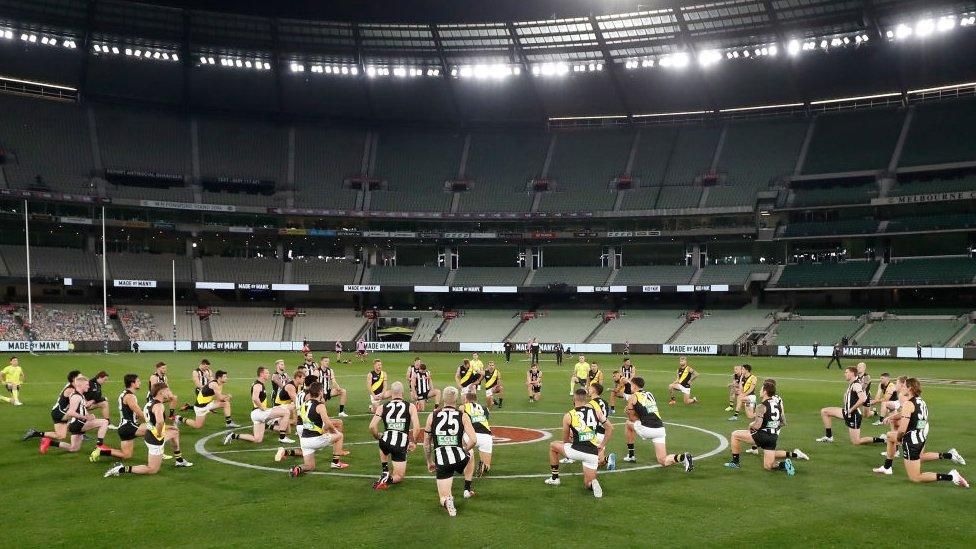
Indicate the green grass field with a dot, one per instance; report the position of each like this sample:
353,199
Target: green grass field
61,499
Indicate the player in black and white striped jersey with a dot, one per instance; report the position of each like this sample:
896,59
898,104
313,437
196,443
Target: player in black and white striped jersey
450,438
764,431
422,389
401,427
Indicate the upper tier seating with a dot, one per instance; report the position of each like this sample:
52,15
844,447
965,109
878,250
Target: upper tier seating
235,269
52,262
147,266
732,274
243,148
853,141
929,270
490,276
416,165
574,276
321,271
640,326
476,325
753,155
846,274
654,275
501,165
941,132
143,140
583,164
324,158
406,276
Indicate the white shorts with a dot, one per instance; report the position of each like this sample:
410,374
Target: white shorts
311,444
204,410
599,438
299,428
683,389
155,449
751,400
484,442
589,461
259,416
893,405
657,436
375,400
489,392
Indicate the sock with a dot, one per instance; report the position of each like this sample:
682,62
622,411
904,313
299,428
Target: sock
127,469
735,414
754,447
943,476
791,454
945,455
178,455
290,452
100,441
281,436
888,463
630,450
342,408
731,403
830,432
554,470
234,436
227,420
735,458
467,485
105,452
781,465
879,439
500,402
335,459
385,466
678,458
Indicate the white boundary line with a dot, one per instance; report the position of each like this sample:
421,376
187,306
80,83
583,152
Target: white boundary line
200,448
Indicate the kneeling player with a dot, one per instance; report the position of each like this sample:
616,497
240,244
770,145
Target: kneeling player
156,437
131,420
261,414
682,382
318,431
747,393
58,416
764,433
887,398
912,431
401,427
493,386
644,420
209,397
854,398
533,382
13,380
423,389
622,387
80,421
450,438
376,386
580,442
478,416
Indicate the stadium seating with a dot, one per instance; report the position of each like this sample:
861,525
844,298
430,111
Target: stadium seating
754,154
932,223
326,325
692,155
501,165
654,274
651,157
187,324
807,332
239,148
490,276
853,141
10,328
47,139
941,132
236,269
840,226
52,262
640,326
141,326
147,266
143,140
641,198
424,322
416,165
70,323
426,327
405,276
321,271
805,312
857,194
732,274
678,197
574,276
929,270
556,325
719,326
324,158
848,273
480,325
936,333
246,323
910,187
583,164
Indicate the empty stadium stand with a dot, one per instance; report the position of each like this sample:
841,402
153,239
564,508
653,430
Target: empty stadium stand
717,326
581,276
807,332
52,262
143,140
246,323
405,275
481,325
755,154
187,323
693,152
641,326
732,274
853,141
236,269
322,271
147,266
324,158
238,148
416,165
853,194
490,276
929,332
840,226
654,274
557,325
809,275
908,186
327,325
500,166
941,132
942,222
929,270
583,164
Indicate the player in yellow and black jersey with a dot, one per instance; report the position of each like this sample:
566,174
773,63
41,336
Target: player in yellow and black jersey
644,421
157,435
479,416
747,393
686,374
261,411
494,394
580,442
734,387
467,376
376,386
211,396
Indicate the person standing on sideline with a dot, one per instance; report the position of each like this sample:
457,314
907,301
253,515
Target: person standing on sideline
507,346
816,345
835,356
559,353
918,350
534,350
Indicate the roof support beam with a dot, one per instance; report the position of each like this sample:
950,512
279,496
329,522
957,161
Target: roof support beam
446,74
611,67
684,37
358,54
86,48
519,56
784,44
276,65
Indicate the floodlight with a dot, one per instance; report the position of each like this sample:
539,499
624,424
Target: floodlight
924,28
115,50
354,70
239,63
137,53
147,54
165,56
847,40
903,31
773,50
890,34
709,57
823,44
836,42
44,40
399,72
175,57
246,64
793,47
98,48
156,55
647,63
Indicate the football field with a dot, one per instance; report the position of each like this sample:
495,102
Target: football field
236,495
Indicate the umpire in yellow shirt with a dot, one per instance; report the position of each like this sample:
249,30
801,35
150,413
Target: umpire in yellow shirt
13,378
580,372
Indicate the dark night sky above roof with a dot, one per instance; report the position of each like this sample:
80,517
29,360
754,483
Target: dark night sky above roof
417,11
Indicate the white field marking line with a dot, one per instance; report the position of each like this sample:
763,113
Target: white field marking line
200,448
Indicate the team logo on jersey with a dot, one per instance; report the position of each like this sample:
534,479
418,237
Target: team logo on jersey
517,435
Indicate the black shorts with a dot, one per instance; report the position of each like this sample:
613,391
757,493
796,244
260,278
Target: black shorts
397,454
853,421
76,427
97,399
423,396
127,431
911,451
537,388
57,416
327,395
765,440
448,471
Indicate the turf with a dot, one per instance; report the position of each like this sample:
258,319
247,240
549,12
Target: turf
61,499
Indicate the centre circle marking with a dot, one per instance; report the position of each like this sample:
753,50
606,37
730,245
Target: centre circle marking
200,448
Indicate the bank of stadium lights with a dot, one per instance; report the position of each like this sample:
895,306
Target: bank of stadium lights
496,71
924,28
550,69
32,38
236,63
334,70
138,53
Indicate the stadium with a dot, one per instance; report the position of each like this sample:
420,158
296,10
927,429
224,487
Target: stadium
750,224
